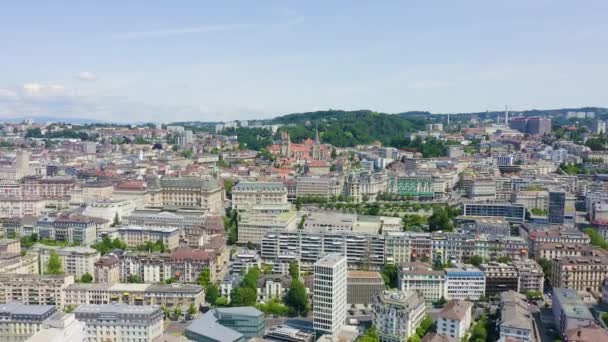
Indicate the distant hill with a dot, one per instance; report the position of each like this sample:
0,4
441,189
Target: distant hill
45,119
599,111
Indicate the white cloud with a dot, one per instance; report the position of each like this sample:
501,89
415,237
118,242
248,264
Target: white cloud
7,94
87,76
178,31
430,84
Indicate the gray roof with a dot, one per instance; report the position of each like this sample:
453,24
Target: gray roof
119,308
205,184
240,310
208,326
15,308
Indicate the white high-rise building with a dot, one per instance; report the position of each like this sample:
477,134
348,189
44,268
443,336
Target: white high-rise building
329,294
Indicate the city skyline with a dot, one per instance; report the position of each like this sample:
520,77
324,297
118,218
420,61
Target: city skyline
201,61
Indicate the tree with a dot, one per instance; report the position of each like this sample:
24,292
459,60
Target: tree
192,310
441,302
221,301
370,335
228,185
440,220
413,338
294,269
390,274
86,278
546,266
54,265
296,297
116,222
133,279
504,259
177,312
243,296
212,293
476,260
187,153
204,278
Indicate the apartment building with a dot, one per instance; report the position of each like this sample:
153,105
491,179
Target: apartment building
260,196
556,250
75,261
20,264
569,310
171,296
71,228
329,294
21,321
107,269
135,236
19,207
582,273
187,264
421,277
10,246
454,320
464,281
121,322
397,314
148,267
531,276
34,289
362,286
557,234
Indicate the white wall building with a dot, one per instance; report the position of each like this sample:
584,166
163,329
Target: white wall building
464,281
397,314
454,319
329,294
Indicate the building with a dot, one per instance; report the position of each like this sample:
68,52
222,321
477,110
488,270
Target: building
135,236
531,125
557,207
454,319
17,207
581,273
516,321
34,289
20,264
500,277
10,246
592,332
397,314
254,225
75,261
464,282
21,321
421,277
192,193
260,196
419,186
71,228
107,269
513,213
330,221
61,327
148,267
362,286
121,322
237,324
531,276
287,333
272,286
329,294
171,296
569,311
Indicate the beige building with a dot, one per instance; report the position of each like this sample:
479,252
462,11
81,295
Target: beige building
454,320
531,276
34,289
135,294
75,261
20,264
20,321
581,273
192,193
362,286
259,195
254,226
135,236
10,246
397,314
107,269
17,207
421,277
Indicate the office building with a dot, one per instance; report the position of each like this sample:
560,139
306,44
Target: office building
260,196
500,277
454,320
569,310
237,324
362,286
121,322
464,282
329,294
513,213
421,277
397,314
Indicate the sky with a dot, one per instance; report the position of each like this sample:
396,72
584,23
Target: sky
163,61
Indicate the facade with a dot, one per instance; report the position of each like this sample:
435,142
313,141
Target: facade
397,314
34,289
17,207
71,228
171,296
531,276
19,264
454,320
237,324
569,310
513,213
500,277
259,195
464,282
583,273
192,193
21,321
421,277
254,225
417,186
329,294
148,267
121,322
362,286
10,246
135,236
75,261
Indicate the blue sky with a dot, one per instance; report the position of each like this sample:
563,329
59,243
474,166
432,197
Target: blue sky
222,60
